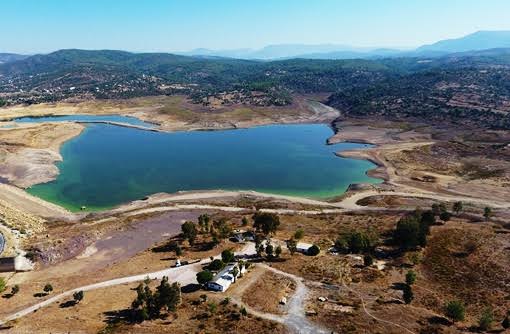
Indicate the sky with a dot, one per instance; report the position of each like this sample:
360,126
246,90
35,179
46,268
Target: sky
41,26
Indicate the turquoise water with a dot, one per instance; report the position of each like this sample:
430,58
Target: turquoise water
87,119
108,165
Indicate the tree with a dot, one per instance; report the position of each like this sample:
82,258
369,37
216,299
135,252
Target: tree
244,221
410,277
292,246
266,222
408,234
216,265
224,230
148,304
48,288
203,222
487,213
278,251
260,249
457,207
178,250
2,102
269,250
227,256
314,250
486,319
299,234
189,232
368,260
243,311
408,294
455,310
235,273
2,284
204,276
168,295
436,209
78,296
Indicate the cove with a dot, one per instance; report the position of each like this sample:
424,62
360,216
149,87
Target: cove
107,165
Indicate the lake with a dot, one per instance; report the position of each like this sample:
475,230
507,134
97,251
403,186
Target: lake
107,165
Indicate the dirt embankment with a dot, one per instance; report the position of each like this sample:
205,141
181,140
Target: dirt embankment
28,153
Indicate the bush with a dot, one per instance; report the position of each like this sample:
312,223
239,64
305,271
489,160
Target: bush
486,319
445,216
78,296
368,260
216,265
15,289
212,307
357,241
48,288
455,310
314,250
410,277
204,276
299,234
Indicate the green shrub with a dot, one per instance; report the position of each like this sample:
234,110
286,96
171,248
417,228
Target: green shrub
455,310
204,276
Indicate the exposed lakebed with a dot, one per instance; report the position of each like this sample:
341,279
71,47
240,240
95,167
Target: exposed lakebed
107,165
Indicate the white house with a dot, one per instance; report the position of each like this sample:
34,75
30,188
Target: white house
223,279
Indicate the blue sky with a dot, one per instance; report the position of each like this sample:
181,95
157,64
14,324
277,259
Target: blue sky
31,26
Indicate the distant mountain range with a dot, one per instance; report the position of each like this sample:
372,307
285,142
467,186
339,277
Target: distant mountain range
480,40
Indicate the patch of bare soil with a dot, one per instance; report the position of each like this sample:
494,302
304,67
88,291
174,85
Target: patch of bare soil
267,291
470,263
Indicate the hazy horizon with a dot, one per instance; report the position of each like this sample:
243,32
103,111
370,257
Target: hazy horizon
33,26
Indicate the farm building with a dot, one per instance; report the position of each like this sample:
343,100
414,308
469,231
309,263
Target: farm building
223,279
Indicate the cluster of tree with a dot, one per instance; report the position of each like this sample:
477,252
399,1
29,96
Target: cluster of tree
149,304
271,251
266,222
425,95
218,230
357,241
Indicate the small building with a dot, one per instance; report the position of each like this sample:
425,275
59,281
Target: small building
14,264
302,247
223,279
